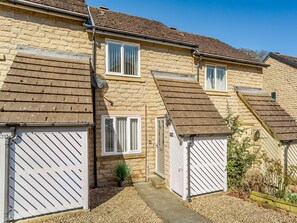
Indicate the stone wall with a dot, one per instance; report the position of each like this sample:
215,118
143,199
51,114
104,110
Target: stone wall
25,28
281,78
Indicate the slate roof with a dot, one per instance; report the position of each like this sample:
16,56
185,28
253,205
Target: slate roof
72,6
289,60
41,89
154,29
272,116
190,109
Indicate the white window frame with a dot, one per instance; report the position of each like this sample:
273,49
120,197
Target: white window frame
215,76
122,43
114,117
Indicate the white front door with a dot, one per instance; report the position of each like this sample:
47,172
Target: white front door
160,146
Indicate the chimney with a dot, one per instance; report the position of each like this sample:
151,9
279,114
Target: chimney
103,8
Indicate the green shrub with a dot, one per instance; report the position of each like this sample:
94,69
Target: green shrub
239,156
122,171
291,198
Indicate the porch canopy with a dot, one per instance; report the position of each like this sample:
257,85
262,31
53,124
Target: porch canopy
271,115
191,110
43,89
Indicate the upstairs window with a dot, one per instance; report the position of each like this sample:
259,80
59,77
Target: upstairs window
121,135
122,58
216,78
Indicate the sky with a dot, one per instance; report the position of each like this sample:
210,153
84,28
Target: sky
269,25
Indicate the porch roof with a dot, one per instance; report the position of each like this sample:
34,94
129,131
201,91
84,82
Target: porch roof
189,107
42,89
271,115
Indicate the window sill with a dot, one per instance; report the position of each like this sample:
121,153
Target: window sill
123,156
124,78
217,93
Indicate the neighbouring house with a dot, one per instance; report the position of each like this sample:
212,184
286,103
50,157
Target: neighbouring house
46,112
280,80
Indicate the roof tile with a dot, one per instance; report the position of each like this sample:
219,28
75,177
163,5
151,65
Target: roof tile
71,6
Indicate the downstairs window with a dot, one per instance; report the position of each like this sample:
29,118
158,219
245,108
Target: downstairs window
121,135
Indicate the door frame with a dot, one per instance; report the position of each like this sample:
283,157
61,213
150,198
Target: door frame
156,141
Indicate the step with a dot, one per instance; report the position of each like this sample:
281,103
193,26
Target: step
157,182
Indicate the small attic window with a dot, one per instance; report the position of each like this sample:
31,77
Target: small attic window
273,95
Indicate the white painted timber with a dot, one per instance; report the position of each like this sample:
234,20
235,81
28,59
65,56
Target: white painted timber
177,170
3,184
208,166
48,171
4,178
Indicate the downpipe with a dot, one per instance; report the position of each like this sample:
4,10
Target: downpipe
189,146
5,191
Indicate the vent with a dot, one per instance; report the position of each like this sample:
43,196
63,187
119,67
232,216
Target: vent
277,52
173,28
104,8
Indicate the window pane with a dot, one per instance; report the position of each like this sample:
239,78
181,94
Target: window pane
109,135
114,57
122,134
134,134
221,78
210,81
131,60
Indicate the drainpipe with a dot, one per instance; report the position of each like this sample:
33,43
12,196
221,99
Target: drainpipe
146,148
190,144
286,150
94,67
196,54
4,177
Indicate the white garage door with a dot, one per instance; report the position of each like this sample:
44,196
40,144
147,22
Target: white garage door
208,166
47,172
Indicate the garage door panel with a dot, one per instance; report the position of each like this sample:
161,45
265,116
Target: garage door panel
72,156
63,157
41,184
53,153
46,172
208,165
34,202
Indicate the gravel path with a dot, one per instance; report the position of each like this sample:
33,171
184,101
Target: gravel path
224,209
108,205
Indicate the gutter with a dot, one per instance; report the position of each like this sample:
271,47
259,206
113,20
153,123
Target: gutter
141,37
22,124
48,8
197,54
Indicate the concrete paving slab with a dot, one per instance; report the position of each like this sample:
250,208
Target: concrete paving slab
167,206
